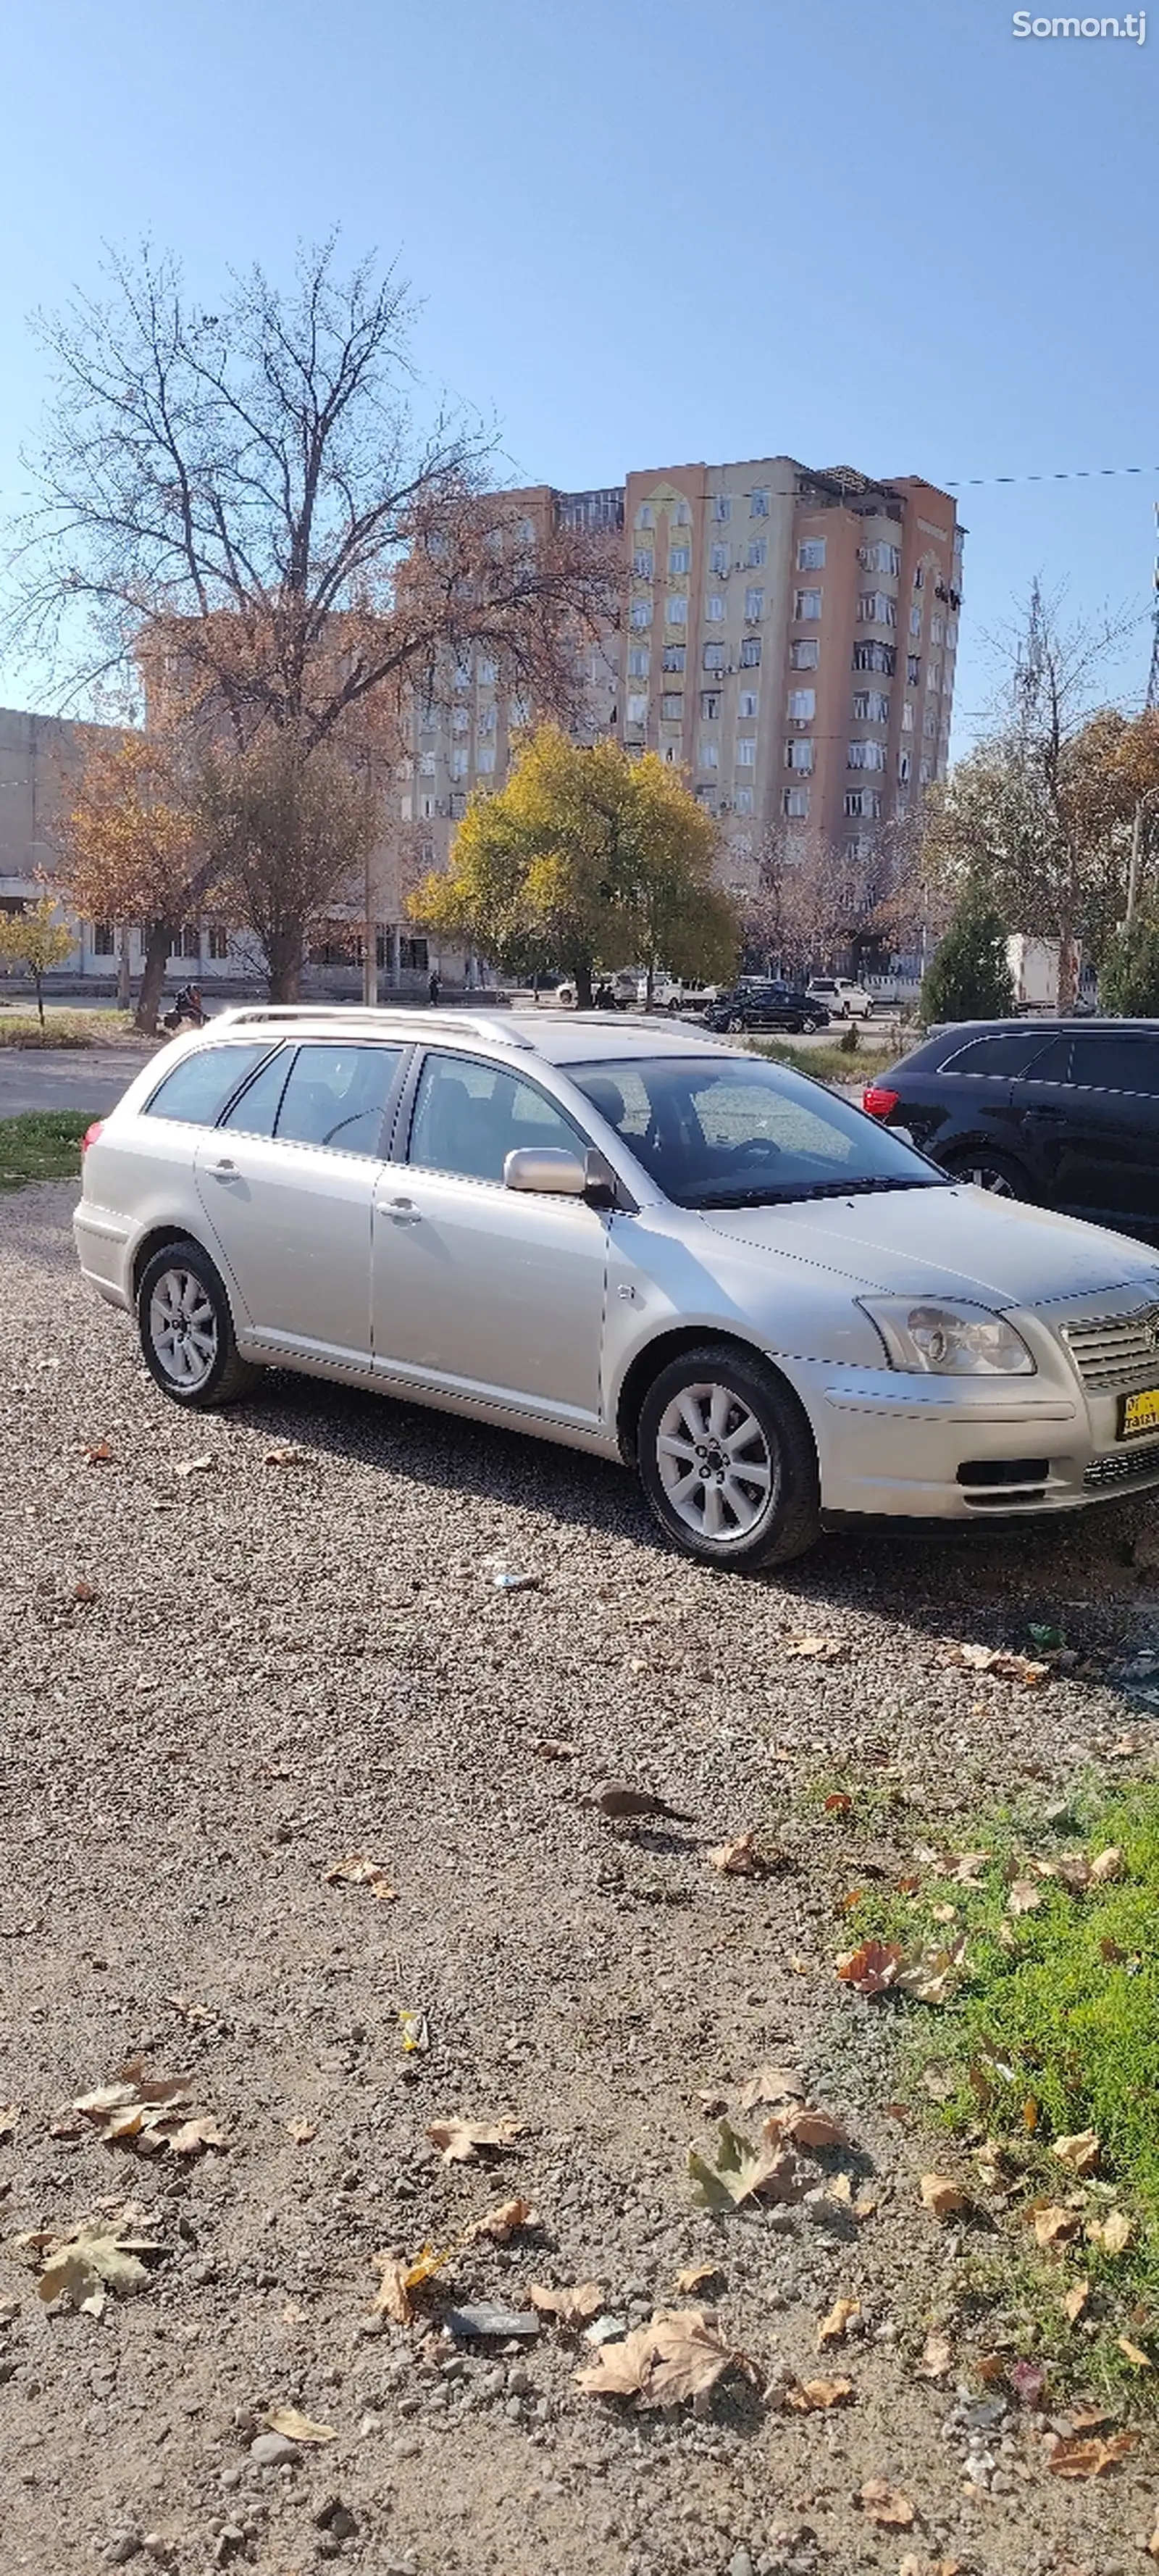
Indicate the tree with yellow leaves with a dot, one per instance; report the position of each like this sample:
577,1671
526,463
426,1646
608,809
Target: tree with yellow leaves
133,847
38,939
585,857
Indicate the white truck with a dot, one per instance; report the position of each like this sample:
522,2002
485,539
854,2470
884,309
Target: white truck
1034,965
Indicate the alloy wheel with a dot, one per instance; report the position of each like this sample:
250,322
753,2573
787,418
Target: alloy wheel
715,1462
183,1328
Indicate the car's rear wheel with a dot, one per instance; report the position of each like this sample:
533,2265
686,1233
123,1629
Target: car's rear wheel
810,1025
727,1461
186,1329
736,1024
994,1172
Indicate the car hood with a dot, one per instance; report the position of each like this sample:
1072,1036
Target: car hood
927,1241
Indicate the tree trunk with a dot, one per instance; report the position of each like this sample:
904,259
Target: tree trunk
158,940
1068,973
583,986
38,987
284,964
124,977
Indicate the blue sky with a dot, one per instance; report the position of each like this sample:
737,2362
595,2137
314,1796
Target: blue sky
880,232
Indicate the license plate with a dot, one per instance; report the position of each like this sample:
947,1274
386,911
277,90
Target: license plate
1139,1413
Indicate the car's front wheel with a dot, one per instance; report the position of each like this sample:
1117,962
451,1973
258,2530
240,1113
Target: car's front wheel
993,1172
727,1461
186,1329
736,1024
810,1025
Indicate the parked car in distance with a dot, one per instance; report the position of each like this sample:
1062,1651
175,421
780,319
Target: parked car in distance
670,994
843,999
1062,1113
629,1238
752,1005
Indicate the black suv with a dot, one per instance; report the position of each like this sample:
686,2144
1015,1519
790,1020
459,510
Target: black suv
1061,1112
766,1006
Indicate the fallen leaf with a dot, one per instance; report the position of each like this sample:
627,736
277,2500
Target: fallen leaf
1053,2225
945,2198
193,2137
147,2112
1026,1895
90,2261
833,2328
1004,1665
356,1870
1106,1865
1134,2353
284,1456
839,1803
1090,2459
1111,2234
741,1858
393,2298
813,2396
696,2277
570,2308
301,2131
548,1750
100,1455
935,2357
8,2116
1075,2301
500,2224
458,2141
886,2506
1079,2154
813,1643
675,2357
299,2428
85,1592
990,2368
872,1969
930,1975
194,1466
771,2084
1028,2381
741,2172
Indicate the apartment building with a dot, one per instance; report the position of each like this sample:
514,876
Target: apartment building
787,639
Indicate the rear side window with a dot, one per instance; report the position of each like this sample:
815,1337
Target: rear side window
1052,1063
1007,1052
199,1089
1116,1064
337,1096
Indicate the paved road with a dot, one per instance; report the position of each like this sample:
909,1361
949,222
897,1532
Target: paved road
78,1078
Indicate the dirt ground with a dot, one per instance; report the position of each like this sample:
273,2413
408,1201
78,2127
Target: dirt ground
218,1684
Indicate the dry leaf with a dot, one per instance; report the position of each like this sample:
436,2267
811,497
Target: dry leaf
501,2223
886,2506
301,2131
945,2198
1111,2234
872,1969
1134,2353
1053,2225
813,2396
696,2277
282,1457
1004,1665
458,2141
675,2357
833,2328
193,2137
100,1455
771,2084
571,2308
811,1643
741,2172
83,1592
1105,1866
1090,2459
356,1870
1079,2154
929,1976
194,1466
1026,1895
299,2428
1075,2301
839,1803
90,2261
8,2114
802,2126
393,2297
935,2358
741,1858
147,2112
549,1750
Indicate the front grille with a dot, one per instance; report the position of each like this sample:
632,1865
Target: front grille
1004,1471
1124,1466
1113,1350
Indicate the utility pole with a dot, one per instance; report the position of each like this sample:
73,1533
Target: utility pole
1152,701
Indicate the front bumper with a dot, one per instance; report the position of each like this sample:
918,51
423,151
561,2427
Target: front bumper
949,1449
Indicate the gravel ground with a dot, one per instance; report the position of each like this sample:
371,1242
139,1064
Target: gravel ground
285,1664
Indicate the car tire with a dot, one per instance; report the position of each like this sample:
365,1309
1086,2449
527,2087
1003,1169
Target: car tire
722,1520
735,1025
193,1356
987,1171
808,1026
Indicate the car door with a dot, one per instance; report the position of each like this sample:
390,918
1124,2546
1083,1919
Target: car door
480,1290
287,1182
1108,1147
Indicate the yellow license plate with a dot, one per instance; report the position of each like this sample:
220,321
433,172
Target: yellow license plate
1139,1413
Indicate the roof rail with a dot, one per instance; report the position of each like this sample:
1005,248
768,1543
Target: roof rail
419,1019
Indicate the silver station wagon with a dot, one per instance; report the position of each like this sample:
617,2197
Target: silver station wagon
631,1238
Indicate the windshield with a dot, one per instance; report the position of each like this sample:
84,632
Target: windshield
719,1132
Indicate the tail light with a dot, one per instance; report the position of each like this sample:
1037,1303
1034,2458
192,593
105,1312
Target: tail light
878,1101
91,1134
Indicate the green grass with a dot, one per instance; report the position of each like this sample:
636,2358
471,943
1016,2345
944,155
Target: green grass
20,1027
44,1145
1054,2031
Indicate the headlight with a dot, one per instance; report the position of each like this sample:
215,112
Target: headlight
961,1340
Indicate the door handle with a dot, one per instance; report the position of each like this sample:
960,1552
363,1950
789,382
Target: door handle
400,1211
225,1170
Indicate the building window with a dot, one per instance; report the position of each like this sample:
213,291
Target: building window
875,657
458,764
485,720
903,767
811,554
104,942
866,755
645,515
722,507
750,652
640,613
682,515
710,704
672,706
802,705
718,557
709,754
795,804
871,706
758,552
951,634
743,801
937,630
486,761
748,702
933,676
754,603
713,657
674,657
930,723
864,801
919,576
644,563
759,502
486,675
714,608
746,751
807,604
799,755
218,942
638,660
426,764
860,847
679,558
915,621
459,720
876,608
879,557
676,611
925,773
907,716
637,710
805,653
913,669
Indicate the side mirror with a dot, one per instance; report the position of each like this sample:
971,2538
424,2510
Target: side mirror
547,1170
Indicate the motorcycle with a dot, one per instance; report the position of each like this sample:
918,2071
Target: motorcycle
187,1012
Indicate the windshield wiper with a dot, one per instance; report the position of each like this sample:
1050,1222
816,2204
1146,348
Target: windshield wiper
770,1196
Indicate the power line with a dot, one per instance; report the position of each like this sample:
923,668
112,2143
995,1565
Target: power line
1064,474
